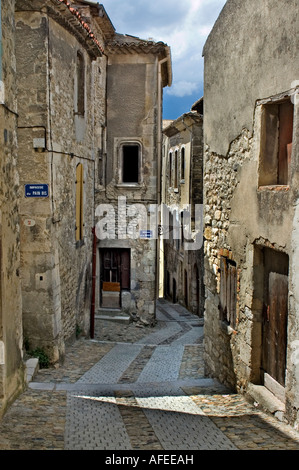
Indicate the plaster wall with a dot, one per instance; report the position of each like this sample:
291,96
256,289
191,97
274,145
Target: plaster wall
254,62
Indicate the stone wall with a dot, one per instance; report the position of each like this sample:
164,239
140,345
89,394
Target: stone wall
243,218
54,138
11,338
183,268
133,118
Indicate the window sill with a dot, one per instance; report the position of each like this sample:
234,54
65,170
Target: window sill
275,187
129,185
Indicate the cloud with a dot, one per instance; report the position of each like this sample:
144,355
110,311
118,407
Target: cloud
182,88
184,26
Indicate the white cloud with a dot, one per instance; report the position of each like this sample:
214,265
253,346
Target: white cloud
184,26
182,88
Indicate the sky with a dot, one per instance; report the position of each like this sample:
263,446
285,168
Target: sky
182,25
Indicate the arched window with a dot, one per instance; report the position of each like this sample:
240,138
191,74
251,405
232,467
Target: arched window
79,203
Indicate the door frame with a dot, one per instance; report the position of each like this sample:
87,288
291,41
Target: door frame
114,282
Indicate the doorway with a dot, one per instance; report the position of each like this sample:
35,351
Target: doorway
174,291
114,276
275,316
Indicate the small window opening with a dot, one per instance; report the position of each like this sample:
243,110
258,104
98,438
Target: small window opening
170,169
176,169
80,84
130,163
276,143
183,163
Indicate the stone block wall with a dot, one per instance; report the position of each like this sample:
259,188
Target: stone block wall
11,335
54,138
183,276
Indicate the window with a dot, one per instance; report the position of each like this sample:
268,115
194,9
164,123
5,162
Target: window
170,169
228,291
79,203
176,169
276,143
80,85
183,163
130,163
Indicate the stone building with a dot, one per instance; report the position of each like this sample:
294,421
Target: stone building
11,338
251,202
128,186
61,88
182,191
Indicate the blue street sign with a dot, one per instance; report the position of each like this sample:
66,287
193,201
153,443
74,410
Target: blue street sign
146,234
36,190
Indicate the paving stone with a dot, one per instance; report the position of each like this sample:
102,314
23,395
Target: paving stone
143,389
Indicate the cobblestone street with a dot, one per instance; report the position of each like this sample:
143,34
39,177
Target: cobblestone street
146,393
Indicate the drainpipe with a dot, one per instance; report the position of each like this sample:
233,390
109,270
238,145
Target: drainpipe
93,293
159,171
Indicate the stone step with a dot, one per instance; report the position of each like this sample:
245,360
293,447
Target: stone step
113,315
110,312
32,367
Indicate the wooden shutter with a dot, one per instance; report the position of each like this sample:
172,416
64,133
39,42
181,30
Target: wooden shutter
228,291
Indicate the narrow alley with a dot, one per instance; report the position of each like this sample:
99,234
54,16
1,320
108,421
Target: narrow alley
148,393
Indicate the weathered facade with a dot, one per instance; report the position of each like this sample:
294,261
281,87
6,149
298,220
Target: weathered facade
128,186
61,105
11,338
182,190
74,137
251,201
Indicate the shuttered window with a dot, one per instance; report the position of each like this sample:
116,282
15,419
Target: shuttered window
228,291
276,143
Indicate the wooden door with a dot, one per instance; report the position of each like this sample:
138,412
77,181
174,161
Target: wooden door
275,327
125,269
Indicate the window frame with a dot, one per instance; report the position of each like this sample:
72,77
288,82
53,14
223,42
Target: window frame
183,164
130,143
277,120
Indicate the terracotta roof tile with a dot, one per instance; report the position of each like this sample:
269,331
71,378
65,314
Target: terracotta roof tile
83,23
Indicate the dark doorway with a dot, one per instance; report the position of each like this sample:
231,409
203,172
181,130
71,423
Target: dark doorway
186,287
114,276
174,291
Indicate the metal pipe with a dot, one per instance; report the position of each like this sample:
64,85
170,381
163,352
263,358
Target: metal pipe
93,293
